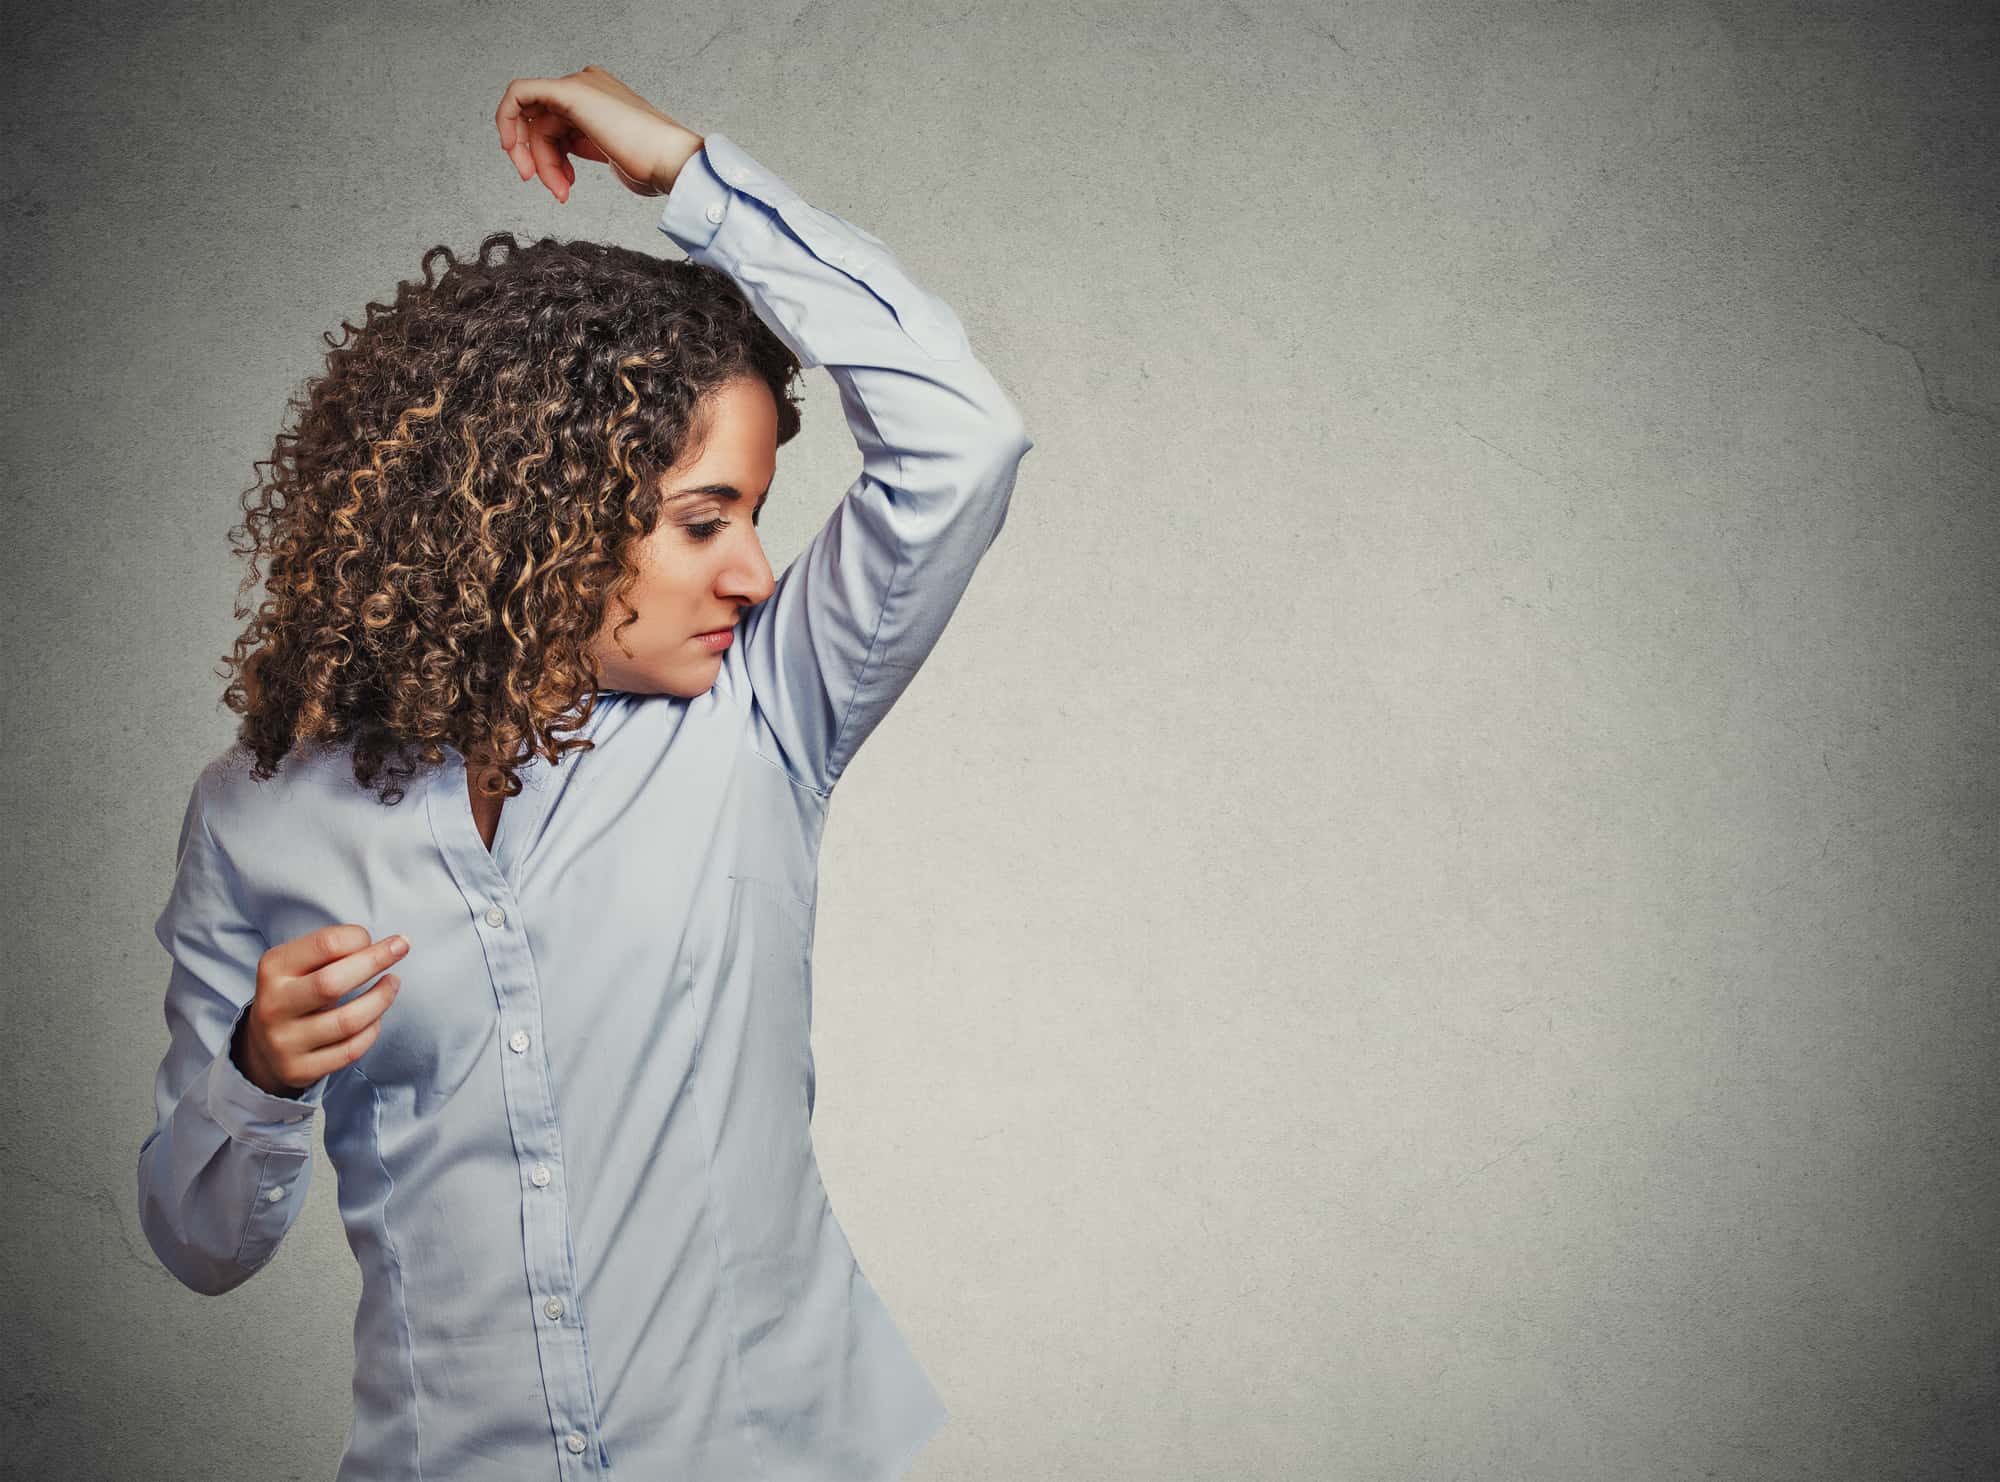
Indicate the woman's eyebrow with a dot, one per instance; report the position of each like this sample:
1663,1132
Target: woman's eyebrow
720,491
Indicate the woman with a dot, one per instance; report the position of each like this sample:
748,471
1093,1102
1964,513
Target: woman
513,549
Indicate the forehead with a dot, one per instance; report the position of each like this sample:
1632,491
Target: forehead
738,438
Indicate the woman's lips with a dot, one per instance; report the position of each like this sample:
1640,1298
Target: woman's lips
717,641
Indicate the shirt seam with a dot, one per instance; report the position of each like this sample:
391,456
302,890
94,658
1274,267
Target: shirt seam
834,773
783,771
724,1274
396,1270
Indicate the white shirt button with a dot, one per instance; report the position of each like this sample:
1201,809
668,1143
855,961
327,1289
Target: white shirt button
741,177
714,212
275,1195
518,1042
553,1307
574,1441
495,916
540,1176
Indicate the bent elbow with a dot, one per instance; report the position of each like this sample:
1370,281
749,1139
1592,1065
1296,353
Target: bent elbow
196,1264
1011,435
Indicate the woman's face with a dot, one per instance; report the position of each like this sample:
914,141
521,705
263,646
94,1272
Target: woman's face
703,563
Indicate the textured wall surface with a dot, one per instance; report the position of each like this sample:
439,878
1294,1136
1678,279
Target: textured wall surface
1434,915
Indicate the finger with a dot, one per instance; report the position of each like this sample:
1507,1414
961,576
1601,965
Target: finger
506,120
313,991
343,1021
339,1055
578,145
563,143
583,147
524,99
548,163
314,949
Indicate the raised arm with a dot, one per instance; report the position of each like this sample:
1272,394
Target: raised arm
852,618
849,621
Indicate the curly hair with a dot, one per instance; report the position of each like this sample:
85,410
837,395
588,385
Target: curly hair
463,497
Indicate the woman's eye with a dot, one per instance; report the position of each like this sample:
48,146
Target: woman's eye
709,529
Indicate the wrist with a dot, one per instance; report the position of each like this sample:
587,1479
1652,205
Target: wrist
682,146
251,1067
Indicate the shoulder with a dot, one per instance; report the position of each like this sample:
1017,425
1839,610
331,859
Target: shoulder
226,774
226,785
302,797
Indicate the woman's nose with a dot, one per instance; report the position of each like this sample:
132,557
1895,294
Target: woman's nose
750,579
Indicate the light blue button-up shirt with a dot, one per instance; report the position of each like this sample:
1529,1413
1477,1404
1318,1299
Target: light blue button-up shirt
576,1166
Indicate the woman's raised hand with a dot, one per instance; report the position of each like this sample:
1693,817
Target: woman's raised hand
293,1033
545,120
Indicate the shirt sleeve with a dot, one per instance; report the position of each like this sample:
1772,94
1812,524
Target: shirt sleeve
225,1170
851,619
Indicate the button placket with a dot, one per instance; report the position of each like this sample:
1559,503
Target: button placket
528,1093
545,1218
553,1267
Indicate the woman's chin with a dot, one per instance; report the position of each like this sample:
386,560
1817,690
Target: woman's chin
693,686
682,686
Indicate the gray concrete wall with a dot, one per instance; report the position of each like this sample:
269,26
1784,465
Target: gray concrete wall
1434,915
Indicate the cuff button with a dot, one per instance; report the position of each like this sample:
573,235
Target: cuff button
714,212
